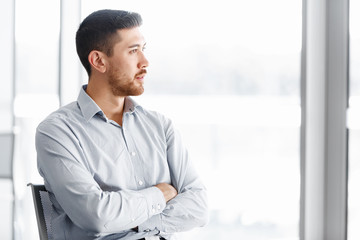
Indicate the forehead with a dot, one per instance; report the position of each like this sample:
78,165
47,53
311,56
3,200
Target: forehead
130,36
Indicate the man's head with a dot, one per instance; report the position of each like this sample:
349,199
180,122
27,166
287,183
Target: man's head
99,31
111,48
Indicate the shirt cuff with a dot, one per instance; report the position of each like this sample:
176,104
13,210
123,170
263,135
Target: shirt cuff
155,200
152,224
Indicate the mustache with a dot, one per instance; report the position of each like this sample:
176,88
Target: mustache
142,71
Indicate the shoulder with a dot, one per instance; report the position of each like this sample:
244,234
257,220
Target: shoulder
159,121
156,117
62,117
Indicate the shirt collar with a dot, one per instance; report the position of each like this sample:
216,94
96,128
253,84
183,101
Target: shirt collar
89,108
87,105
132,106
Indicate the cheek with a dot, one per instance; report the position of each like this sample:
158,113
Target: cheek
125,66
130,69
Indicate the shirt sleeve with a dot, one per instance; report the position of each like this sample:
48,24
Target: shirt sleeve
62,164
189,208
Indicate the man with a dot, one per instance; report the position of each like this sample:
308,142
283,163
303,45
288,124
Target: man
113,169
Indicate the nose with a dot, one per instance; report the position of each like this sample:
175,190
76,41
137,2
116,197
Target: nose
143,62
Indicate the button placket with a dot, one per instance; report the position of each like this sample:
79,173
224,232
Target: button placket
131,151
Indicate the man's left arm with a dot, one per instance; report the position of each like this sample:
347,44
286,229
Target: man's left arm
189,208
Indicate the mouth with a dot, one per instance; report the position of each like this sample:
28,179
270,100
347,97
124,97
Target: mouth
140,77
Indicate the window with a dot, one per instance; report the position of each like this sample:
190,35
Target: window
37,28
226,72
6,119
353,124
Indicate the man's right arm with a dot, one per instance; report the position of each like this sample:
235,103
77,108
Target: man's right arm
61,163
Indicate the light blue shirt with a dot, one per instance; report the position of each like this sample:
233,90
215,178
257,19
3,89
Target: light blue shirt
101,175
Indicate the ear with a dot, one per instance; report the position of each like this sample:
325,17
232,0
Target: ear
97,61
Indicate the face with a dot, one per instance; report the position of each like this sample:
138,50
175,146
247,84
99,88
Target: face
127,66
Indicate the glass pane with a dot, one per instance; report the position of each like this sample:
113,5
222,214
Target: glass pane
354,124
37,27
6,118
7,64
228,74
37,66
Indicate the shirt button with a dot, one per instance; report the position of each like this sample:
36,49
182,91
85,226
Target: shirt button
140,182
133,153
158,206
153,209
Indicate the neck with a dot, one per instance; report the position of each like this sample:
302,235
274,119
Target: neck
112,106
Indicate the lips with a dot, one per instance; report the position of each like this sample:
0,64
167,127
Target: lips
141,75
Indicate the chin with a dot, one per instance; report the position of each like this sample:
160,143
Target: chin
137,92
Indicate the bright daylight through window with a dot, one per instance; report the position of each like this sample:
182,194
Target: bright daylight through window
226,72
354,124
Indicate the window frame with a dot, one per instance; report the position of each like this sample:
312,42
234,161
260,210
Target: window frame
324,134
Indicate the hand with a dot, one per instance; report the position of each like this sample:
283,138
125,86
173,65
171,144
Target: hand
168,190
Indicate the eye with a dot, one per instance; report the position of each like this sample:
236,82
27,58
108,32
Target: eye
133,50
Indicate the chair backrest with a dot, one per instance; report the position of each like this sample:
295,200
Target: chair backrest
43,210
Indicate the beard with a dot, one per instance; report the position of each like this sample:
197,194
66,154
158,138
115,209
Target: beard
122,84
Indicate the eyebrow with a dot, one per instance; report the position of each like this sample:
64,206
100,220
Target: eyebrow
136,45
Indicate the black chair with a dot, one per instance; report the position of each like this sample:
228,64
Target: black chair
43,210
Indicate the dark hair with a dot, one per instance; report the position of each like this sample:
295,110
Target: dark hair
98,31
